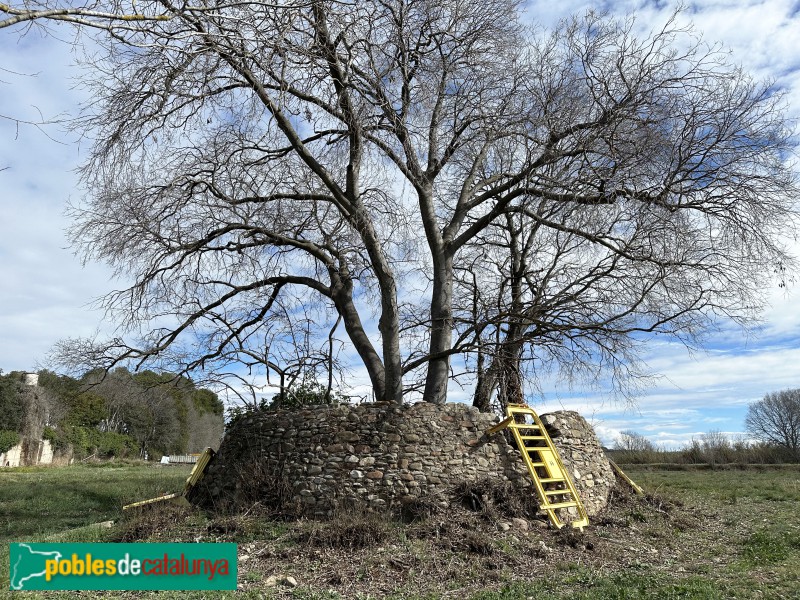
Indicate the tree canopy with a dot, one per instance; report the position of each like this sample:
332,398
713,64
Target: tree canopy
119,413
12,406
506,196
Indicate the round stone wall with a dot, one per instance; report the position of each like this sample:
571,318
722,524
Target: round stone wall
382,456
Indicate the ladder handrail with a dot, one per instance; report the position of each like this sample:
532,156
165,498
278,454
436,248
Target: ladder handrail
512,410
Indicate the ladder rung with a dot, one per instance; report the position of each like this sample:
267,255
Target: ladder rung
546,457
558,505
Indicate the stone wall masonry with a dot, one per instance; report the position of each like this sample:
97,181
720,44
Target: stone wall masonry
583,456
381,456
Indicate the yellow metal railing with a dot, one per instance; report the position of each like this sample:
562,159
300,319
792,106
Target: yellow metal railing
195,476
554,486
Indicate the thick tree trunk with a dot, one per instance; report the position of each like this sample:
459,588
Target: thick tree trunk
342,295
388,325
391,389
484,386
441,341
510,384
502,376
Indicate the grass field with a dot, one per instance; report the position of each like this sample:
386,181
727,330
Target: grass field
61,504
699,535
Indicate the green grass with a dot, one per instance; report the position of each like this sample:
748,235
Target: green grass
614,587
767,547
748,541
61,504
37,501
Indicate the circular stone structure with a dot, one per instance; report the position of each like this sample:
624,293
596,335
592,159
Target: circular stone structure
322,459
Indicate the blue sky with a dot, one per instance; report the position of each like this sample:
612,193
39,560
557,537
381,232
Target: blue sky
47,294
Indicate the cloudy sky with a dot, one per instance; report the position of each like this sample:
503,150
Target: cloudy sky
47,294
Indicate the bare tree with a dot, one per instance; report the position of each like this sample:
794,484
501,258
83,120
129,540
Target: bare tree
253,158
631,441
776,419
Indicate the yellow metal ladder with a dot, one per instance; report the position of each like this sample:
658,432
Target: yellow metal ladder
197,473
551,479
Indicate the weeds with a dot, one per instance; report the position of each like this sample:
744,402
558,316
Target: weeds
768,547
346,531
140,523
494,499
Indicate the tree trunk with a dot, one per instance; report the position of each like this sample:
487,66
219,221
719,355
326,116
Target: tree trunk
441,330
503,376
341,293
484,386
389,326
510,390
388,386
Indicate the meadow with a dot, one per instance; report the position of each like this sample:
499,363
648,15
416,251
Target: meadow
699,534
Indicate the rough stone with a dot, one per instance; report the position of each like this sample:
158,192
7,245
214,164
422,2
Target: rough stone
377,454
520,524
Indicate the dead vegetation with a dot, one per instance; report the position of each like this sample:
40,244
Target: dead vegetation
496,499
345,531
142,522
485,535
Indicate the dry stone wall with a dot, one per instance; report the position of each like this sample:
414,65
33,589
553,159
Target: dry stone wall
382,456
583,457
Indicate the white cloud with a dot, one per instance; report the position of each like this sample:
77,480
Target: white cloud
45,290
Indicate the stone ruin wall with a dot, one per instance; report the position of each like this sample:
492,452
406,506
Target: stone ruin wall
382,456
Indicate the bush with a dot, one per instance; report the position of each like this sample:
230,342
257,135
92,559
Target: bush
86,441
346,531
50,434
634,448
8,439
110,444
12,408
300,396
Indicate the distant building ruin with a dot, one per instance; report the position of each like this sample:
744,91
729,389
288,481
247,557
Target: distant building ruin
32,449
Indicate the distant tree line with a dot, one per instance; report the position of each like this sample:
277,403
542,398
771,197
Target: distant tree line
11,411
772,423
114,414
712,448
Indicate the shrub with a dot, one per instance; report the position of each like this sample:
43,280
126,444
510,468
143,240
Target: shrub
111,444
346,531
86,441
8,439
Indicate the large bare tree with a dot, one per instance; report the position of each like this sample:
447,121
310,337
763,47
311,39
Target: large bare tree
776,419
552,195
